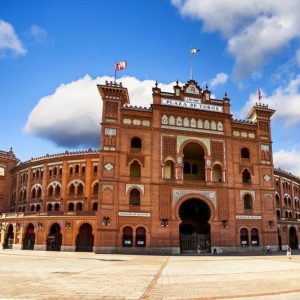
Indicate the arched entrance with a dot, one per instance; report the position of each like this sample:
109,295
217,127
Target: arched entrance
293,238
127,237
29,238
85,238
8,242
54,239
194,228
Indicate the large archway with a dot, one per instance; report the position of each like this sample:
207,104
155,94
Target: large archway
85,238
54,239
194,162
194,228
29,239
293,238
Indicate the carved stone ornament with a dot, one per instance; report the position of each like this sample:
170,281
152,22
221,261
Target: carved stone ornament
108,166
179,160
267,178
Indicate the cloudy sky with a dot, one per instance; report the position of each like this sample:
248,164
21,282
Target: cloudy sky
52,55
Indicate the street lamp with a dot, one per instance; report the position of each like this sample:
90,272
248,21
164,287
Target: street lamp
106,221
164,223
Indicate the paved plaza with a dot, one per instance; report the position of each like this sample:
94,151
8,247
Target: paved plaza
65,275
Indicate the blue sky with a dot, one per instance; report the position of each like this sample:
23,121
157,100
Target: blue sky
53,53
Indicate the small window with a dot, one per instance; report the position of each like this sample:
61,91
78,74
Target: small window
77,169
245,153
135,169
136,143
95,169
83,170
248,202
134,197
246,177
71,207
95,206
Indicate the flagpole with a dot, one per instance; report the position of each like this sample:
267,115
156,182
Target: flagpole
191,66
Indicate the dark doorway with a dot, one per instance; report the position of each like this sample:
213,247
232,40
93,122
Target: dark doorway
127,237
279,240
293,238
9,239
85,238
54,239
29,238
140,237
194,228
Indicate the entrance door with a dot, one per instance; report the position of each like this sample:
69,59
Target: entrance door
54,239
293,239
194,229
8,242
85,238
28,242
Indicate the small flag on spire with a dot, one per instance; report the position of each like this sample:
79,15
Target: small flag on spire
121,65
194,51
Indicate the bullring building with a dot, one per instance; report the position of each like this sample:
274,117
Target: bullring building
166,178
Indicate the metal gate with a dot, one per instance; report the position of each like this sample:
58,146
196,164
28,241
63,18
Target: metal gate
189,242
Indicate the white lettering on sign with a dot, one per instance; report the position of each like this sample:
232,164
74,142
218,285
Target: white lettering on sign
186,104
189,99
133,214
243,217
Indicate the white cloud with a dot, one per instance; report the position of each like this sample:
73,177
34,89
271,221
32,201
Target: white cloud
254,29
220,78
288,161
285,100
9,40
38,33
71,116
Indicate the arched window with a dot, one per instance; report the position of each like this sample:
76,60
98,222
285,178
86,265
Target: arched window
50,191
277,199
135,169
245,153
57,190
127,237
286,214
50,172
55,171
80,189
72,189
186,168
32,208
95,189
95,206
33,193
248,202
254,237
77,169
95,168
169,170
136,143
49,207
290,214
60,171
278,214
246,177
244,237
78,206
71,170
39,192
56,207
140,237
24,194
38,207
217,173
71,207
134,197
289,201
83,170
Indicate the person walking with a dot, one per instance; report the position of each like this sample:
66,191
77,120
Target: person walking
289,252
268,249
215,250
198,249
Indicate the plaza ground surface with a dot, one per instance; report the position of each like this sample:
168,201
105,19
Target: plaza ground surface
65,275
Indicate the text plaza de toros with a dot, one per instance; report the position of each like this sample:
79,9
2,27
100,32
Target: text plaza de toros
166,179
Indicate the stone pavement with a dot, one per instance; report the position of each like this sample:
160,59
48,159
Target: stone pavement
66,275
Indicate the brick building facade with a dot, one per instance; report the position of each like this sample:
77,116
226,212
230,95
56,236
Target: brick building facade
167,178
